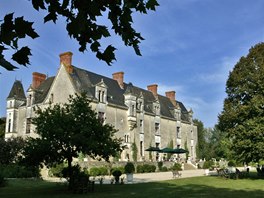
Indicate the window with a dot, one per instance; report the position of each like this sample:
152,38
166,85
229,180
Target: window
101,96
133,110
141,148
157,128
101,117
139,106
28,124
178,132
126,138
11,104
29,100
141,123
9,125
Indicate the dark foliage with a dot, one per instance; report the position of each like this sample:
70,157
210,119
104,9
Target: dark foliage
82,24
242,118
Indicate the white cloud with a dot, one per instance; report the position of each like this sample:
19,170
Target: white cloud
221,72
164,88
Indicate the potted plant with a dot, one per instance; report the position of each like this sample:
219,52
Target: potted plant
117,173
175,170
129,170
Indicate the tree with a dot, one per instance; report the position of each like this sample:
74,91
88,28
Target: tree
10,150
170,145
134,151
242,117
2,127
81,24
218,144
202,146
68,129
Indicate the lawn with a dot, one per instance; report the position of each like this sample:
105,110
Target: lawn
189,187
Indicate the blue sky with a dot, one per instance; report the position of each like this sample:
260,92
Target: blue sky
190,46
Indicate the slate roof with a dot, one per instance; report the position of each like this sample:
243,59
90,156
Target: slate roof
43,89
17,91
85,81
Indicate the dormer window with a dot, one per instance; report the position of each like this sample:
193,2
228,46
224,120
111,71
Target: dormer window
156,109
29,100
101,92
157,128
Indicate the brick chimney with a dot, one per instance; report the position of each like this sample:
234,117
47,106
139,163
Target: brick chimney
119,77
37,79
154,89
66,60
171,96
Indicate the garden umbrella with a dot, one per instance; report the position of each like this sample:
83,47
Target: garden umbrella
167,150
174,151
179,150
153,149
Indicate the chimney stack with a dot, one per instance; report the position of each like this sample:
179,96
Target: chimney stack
66,60
171,96
38,78
119,77
154,89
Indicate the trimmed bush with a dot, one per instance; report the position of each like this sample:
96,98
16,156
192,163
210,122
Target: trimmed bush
160,164
129,168
56,171
121,168
164,169
16,171
140,169
146,168
176,167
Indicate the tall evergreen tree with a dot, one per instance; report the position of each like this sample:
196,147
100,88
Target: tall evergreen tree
202,145
242,117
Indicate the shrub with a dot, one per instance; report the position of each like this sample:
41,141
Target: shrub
120,168
149,168
231,163
146,168
208,164
103,170
56,170
140,169
160,164
116,173
176,167
94,171
129,168
164,169
16,171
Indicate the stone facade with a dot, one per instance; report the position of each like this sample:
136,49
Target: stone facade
141,116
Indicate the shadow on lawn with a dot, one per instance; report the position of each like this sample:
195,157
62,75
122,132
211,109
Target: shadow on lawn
196,188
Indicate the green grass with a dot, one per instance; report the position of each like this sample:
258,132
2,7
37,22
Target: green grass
188,187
